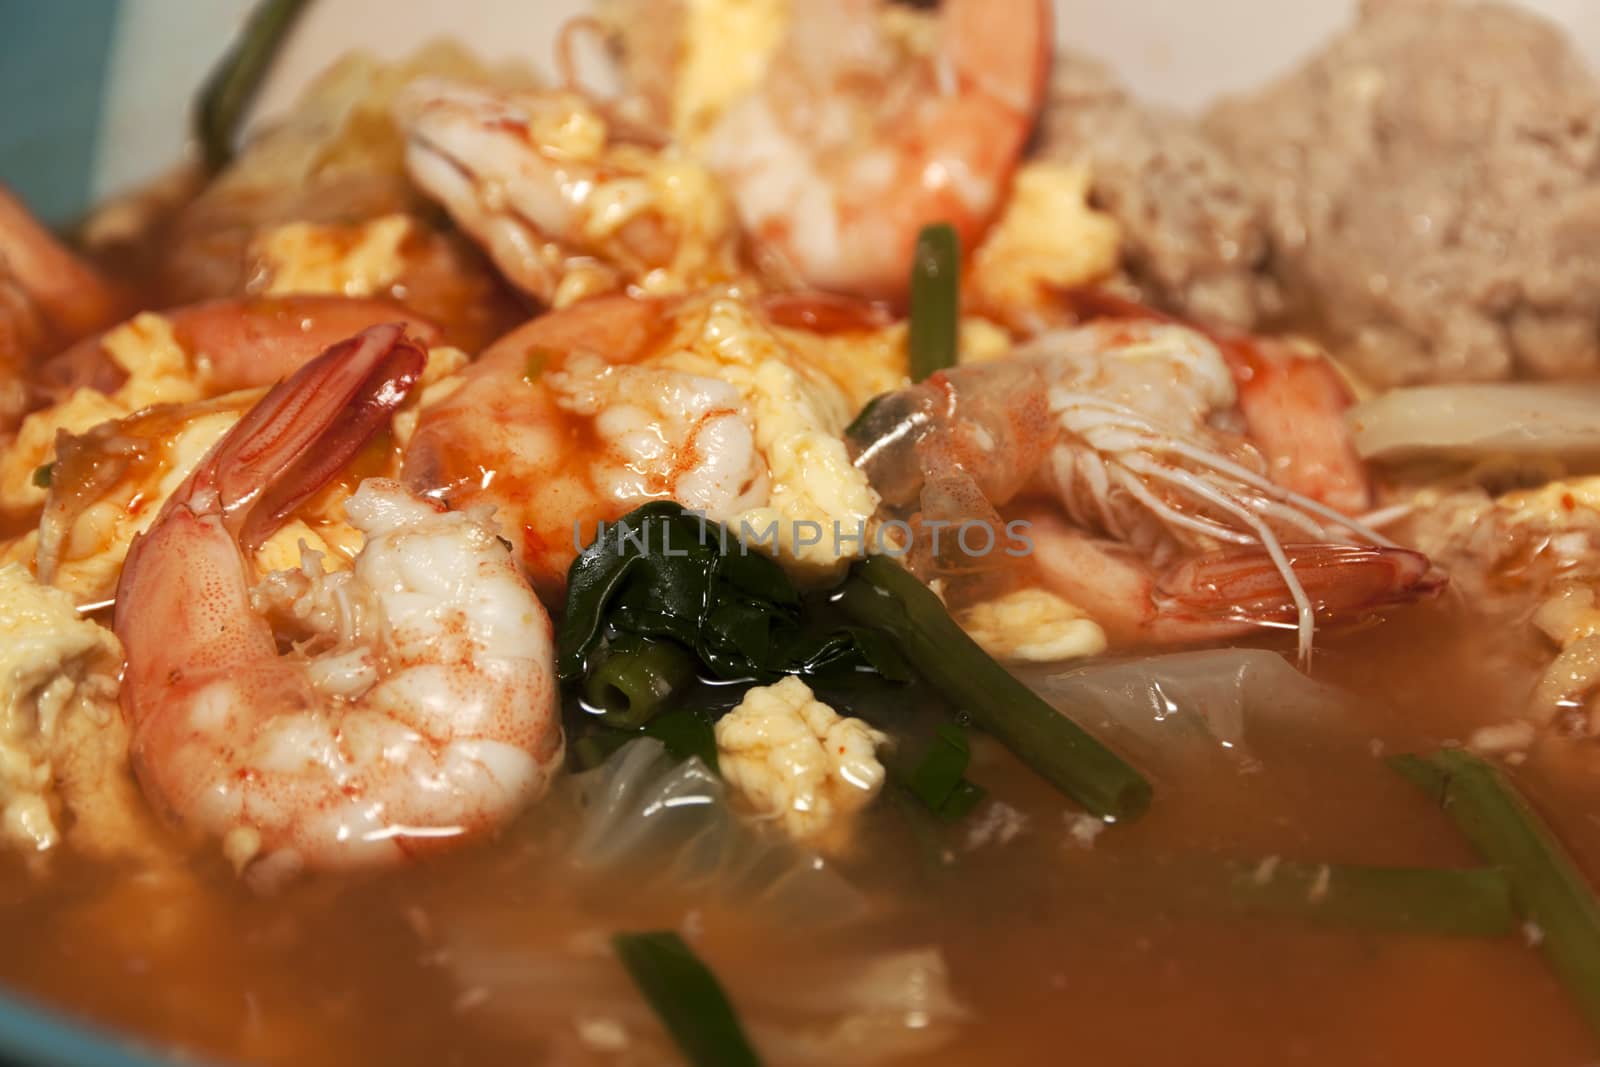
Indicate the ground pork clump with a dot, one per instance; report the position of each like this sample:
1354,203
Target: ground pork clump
1194,239
1429,179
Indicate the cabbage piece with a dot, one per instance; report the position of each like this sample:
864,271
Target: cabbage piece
649,818
1189,701
856,1009
1519,419
645,821
576,999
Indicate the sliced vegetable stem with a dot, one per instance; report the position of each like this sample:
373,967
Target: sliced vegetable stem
882,594
1546,884
1410,899
687,997
637,679
233,83
935,300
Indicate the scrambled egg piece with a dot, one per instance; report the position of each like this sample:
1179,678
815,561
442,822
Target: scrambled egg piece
359,260
674,195
797,760
1538,544
724,52
1033,626
981,341
812,476
112,479
1049,238
439,379
799,415
114,475
83,540
1555,503
159,372
63,745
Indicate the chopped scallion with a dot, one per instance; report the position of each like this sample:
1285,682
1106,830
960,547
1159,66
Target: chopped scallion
637,678
935,300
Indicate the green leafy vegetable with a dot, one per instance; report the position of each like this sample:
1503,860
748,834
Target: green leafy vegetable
687,997
939,778
884,596
935,300
43,475
590,750
1546,884
686,733
661,572
233,82
636,679
858,425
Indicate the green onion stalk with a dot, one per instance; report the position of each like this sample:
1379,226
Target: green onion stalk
935,301
882,594
234,81
1546,884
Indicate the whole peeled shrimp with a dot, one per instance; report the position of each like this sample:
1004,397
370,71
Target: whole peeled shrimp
564,423
725,404
1126,447
854,139
567,203
416,703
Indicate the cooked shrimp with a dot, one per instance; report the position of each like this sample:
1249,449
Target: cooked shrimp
853,141
566,203
418,702
48,298
184,356
233,344
583,414
1292,400
1169,527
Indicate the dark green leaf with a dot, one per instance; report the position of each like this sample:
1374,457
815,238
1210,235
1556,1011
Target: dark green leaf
662,572
687,998
42,475
685,734
941,768
594,748
962,800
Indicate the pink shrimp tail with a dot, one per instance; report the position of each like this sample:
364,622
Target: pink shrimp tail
300,435
1344,583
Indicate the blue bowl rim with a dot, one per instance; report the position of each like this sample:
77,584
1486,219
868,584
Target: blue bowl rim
36,1036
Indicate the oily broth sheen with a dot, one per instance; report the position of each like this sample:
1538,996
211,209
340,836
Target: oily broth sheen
344,971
